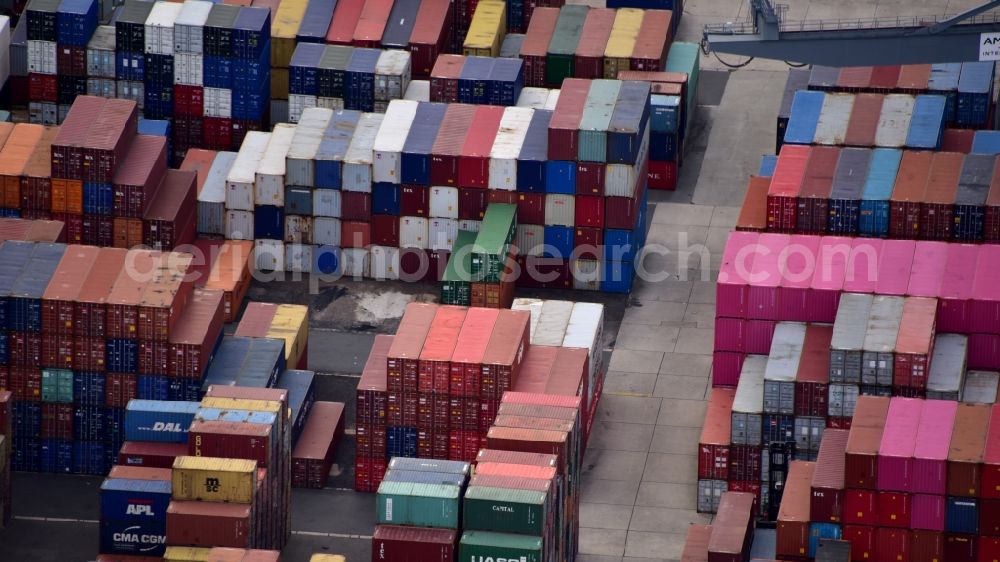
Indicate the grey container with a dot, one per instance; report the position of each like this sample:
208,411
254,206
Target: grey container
833,550
798,79
748,405
279,112
841,399
101,53
298,201
849,337
103,87
709,494
299,163
782,367
19,49
212,199
808,434
765,466
980,387
511,48
880,340
823,77
948,367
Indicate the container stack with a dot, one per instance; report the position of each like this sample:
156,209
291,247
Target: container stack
481,273
57,37
6,454
134,504
189,77
476,80
668,122
301,387
23,159
287,322
285,25
159,69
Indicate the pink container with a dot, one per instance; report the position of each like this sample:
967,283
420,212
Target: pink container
757,336
726,367
927,512
828,279
929,262
797,265
729,334
895,452
984,310
984,351
762,298
862,265
894,265
930,454
732,285
956,288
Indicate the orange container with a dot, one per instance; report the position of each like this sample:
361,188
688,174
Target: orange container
67,196
199,160
226,268
14,157
128,232
753,213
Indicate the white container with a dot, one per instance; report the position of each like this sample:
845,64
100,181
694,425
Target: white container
132,90
160,28
507,146
533,306
980,387
269,255
330,103
833,119
103,87
748,405
326,203
357,168
298,257
418,90
552,100
533,98
443,202
212,197
297,103
469,224
390,139
894,121
530,239
620,179
41,57
270,178
586,324
218,102
384,263
189,26
5,35
43,113
326,230
441,233
392,74
298,229
239,225
188,69
354,263
560,209
240,181
101,53
299,163
586,276
413,232
552,322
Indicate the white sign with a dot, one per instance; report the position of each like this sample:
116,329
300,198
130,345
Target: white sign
989,46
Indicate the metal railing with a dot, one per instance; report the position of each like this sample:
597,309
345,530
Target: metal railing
748,28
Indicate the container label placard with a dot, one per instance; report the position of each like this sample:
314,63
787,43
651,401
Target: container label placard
989,46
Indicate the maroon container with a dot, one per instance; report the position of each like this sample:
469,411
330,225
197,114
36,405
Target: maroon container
813,377
590,178
827,501
140,174
531,208
413,544
71,60
444,78
501,196
67,148
504,353
653,41
587,243
25,349
589,211
926,546
989,517
232,440
448,144
732,529
155,456
534,49
863,123
472,203
64,288
108,140
57,421
189,101
937,212
965,455
43,87
814,196
792,530
860,467
414,200
432,35
314,451
744,463
164,298
57,351
589,59
957,140
25,383
893,545
119,388
385,230
217,133
565,123
544,273
193,339
474,162
170,219
356,206
98,230
209,524
88,354
957,547
885,78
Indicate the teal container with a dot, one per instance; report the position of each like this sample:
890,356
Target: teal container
505,510
484,545
686,57
57,386
496,233
419,505
597,111
561,53
455,283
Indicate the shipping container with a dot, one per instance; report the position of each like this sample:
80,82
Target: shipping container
827,484
895,459
914,344
732,529
716,434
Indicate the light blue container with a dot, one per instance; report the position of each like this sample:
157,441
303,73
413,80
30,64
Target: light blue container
419,505
159,421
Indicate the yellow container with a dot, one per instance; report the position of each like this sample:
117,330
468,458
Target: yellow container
291,323
327,558
214,479
186,554
242,404
284,28
621,43
487,29
279,83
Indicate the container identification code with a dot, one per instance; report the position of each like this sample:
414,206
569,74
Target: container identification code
989,46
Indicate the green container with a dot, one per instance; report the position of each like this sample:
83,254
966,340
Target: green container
496,234
480,546
455,283
559,64
419,505
597,110
505,510
685,57
57,386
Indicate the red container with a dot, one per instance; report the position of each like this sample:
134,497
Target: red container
434,367
663,175
860,467
193,339
472,203
812,378
71,60
25,349
137,179
67,148
959,547
589,211
403,357
531,208
474,161
590,177
448,144
732,529
390,542
930,455
57,351
991,212
589,59
862,541
957,140
714,443
587,243
189,101
385,230
466,362
368,473
43,87
892,545
414,200
894,509
354,234
914,343
565,123
813,202
345,19
937,212
504,353
432,35
864,120
64,288
356,206
744,463
990,487
653,41
371,23
218,133
885,78
57,421
827,502
926,546
622,212
107,142
444,78
232,441
989,549
170,219
786,183
152,455
119,388
860,507
792,530
534,49
209,524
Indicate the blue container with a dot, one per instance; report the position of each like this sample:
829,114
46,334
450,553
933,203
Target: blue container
618,276
943,81
663,147
137,501
56,456
152,387
531,162
187,390
76,21
159,101
873,219
217,72
134,537
155,127
4,347
515,16
14,257
473,82
24,306
415,161
558,241
767,164
506,81
986,142
98,198
333,147
961,515
359,80
401,441
10,213
130,66
819,531
298,201
301,387
926,123
252,75
385,199
89,457
664,113
628,122
399,26
251,33
316,21
158,421
560,177
27,419
326,259
159,69
250,105
114,423
27,455
777,428
304,68
229,359
88,423
421,477
975,89
254,362
88,388
806,107
122,355
269,222
623,244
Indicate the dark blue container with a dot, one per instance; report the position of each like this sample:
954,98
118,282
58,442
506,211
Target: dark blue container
152,387
332,69
122,355
415,161
218,31
944,81
89,457
819,531
4,348
10,213
98,198
399,26
76,22
264,362
326,259
767,164
560,177
27,455
531,161
663,147
88,423
88,388
359,80
252,75
301,389
24,307
401,441
515,16
333,147
159,101
304,69
217,72
298,201
961,515
133,537
778,428
250,106
385,199
14,257
27,419
187,390
159,69
558,241
618,277
664,113
269,222
628,121
130,66
70,87
111,449
620,244
225,368
506,82
975,89
57,456
316,21
473,82
114,423
251,33
136,501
